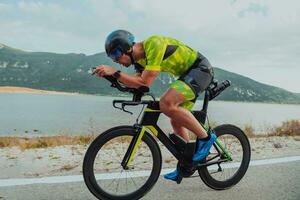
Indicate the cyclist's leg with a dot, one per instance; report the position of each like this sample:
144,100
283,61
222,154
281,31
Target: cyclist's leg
198,79
170,106
180,130
181,99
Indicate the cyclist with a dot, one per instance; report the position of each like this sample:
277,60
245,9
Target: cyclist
164,54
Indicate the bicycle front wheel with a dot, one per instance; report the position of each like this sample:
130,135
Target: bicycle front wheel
102,170
226,174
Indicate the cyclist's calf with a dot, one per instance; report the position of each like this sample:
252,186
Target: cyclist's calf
180,130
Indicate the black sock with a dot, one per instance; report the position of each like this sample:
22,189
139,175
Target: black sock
207,138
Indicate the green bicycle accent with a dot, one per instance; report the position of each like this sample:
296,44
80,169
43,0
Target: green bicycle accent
227,154
141,134
153,130
150,110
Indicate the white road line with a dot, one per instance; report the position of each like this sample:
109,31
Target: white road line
78,178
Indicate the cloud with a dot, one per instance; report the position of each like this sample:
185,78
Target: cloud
242,36
4,7
254,8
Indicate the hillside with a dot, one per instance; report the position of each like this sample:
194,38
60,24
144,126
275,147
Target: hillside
71,73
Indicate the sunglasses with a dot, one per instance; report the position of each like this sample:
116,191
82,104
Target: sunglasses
116,54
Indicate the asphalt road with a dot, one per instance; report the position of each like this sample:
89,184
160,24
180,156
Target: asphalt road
275,181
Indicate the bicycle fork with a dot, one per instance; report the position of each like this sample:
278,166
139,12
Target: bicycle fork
133,147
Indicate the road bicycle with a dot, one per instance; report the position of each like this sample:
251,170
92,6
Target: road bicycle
125,162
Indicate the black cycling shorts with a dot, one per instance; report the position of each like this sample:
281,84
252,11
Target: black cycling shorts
199,75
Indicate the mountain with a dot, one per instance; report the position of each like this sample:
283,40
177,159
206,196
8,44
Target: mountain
71,73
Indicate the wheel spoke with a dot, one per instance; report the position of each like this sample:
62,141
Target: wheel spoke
113,180
133,180
119,182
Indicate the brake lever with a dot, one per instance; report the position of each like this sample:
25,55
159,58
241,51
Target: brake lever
151,95
123,108
116,106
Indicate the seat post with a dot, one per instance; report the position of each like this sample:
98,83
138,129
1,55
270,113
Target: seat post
205,103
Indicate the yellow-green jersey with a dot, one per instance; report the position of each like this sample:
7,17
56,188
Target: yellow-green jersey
166,54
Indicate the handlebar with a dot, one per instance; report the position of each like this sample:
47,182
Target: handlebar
131,103
214,90
138,93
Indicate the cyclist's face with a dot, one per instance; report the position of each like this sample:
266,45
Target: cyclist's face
124,60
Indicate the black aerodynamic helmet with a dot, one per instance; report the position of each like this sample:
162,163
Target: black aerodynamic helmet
118,42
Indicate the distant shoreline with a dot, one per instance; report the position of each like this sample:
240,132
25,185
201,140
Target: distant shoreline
24,90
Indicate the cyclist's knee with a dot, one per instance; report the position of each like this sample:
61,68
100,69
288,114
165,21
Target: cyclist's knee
163,105
170,102
167,107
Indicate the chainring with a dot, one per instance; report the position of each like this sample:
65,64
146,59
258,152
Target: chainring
185,171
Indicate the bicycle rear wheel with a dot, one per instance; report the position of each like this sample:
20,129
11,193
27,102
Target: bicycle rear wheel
102,170
228,173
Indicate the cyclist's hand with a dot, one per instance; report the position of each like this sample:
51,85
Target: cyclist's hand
104,70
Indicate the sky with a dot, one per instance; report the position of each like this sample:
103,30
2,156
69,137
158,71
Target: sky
259,39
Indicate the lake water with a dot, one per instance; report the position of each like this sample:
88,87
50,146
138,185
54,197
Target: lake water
35,114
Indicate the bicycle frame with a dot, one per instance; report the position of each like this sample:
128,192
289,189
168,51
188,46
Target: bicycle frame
182,150
149,121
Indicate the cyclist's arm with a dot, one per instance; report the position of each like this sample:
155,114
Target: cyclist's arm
146,79
155,49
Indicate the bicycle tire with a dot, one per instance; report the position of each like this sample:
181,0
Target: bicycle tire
105,138
237,133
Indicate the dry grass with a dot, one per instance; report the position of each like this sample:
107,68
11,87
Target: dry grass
249,131
43,142
287,128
